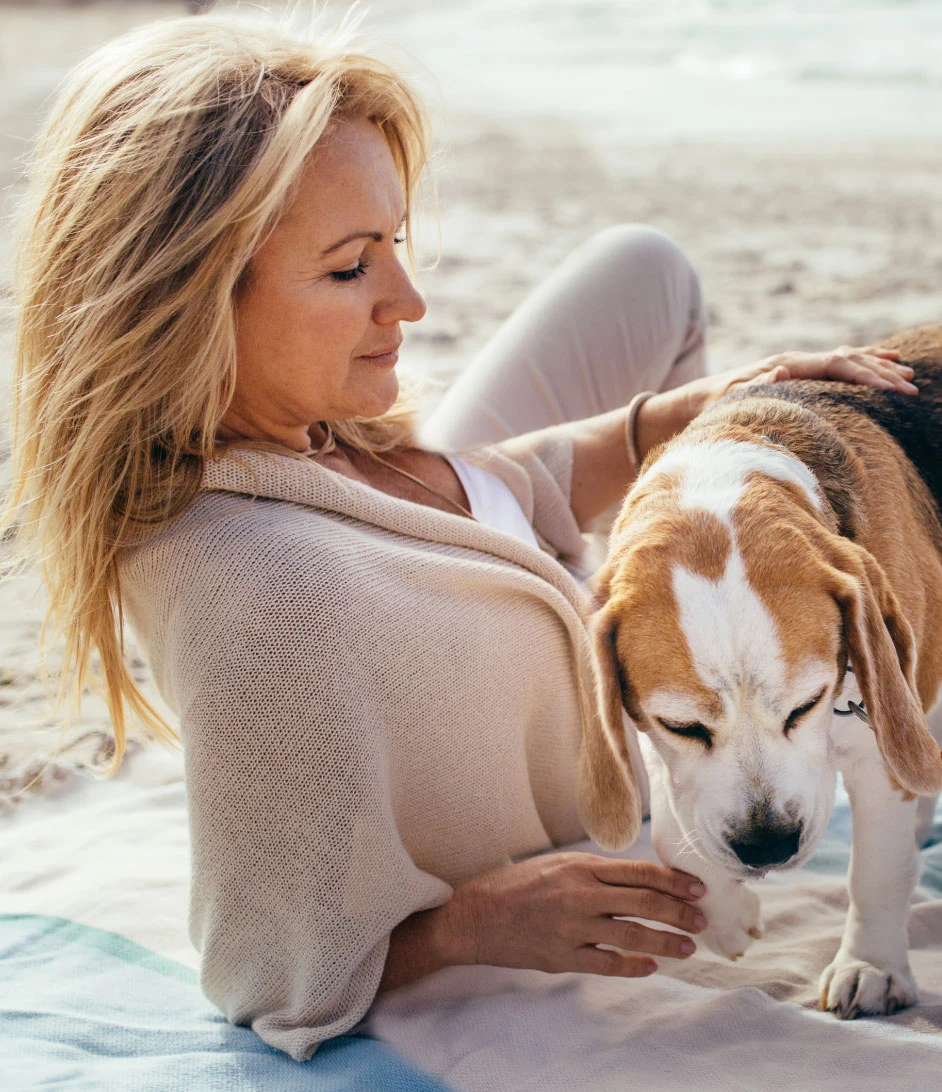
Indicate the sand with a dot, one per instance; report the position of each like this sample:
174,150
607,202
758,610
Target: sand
801,244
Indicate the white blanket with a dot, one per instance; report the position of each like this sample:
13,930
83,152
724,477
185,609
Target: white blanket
114,855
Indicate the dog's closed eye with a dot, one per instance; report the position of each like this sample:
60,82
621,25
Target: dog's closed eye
795,715
689,731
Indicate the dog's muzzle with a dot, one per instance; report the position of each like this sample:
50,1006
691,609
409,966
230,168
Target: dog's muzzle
766,846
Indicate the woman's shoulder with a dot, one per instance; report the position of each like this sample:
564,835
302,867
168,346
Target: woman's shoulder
229,539
238,579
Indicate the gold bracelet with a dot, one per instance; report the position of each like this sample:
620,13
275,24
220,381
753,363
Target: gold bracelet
631,421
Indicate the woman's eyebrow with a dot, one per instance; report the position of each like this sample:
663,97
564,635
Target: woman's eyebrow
376,236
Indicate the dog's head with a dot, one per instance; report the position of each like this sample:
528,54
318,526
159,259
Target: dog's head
726,619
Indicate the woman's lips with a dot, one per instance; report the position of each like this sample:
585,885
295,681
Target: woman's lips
384,360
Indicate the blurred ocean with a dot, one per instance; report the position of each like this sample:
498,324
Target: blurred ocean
819,70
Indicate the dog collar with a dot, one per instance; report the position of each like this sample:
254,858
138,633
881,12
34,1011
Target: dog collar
853,708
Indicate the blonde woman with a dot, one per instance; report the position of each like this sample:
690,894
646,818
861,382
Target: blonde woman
377,654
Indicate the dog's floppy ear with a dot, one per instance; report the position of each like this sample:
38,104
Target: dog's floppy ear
882,654
610,801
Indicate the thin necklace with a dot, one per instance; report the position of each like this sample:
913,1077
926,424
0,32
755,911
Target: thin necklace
425,485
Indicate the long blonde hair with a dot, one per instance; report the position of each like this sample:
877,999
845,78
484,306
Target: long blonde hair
167,159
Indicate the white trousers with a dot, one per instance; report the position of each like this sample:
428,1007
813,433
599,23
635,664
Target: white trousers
622,314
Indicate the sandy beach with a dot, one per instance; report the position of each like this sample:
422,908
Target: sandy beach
806,237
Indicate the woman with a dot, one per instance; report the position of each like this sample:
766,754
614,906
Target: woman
378,654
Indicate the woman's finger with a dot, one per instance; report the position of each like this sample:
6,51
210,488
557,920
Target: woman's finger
852,366
592,960
632,936
646,874
876,350
871,359
892,374
868,370
644,902
868,363
868,350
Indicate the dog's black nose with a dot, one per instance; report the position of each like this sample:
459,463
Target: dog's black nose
763,846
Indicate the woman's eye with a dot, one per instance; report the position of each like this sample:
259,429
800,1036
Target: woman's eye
796,714
345,275
689,731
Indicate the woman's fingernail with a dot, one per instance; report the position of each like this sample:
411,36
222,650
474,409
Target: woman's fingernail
699,921
911,387
904,368
688,947
697,889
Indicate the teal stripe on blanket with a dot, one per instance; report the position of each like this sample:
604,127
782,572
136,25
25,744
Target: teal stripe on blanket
85,1009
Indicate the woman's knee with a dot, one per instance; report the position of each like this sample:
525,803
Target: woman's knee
638,250
654,293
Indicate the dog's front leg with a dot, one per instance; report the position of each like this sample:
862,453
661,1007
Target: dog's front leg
870,973
730,907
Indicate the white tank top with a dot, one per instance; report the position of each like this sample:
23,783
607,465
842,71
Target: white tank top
491,500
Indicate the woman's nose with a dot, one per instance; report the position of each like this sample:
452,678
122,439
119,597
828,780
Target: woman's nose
403,302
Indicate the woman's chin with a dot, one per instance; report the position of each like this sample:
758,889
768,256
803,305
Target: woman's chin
380,397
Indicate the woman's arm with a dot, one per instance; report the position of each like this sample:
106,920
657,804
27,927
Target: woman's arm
549,913
602,469
423,943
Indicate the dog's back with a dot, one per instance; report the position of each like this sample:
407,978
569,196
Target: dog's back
913,421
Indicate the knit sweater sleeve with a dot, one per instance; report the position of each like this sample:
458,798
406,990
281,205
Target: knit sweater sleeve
538,469
299,870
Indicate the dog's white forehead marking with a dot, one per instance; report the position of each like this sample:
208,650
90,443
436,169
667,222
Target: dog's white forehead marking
714,474
732,637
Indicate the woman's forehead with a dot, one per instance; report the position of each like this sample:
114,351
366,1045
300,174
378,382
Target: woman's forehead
349,184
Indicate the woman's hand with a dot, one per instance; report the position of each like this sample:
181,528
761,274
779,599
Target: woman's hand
870,366
548,913
664,415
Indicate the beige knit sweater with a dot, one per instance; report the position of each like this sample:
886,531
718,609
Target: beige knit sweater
377,699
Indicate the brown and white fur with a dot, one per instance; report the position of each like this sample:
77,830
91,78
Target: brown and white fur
782,537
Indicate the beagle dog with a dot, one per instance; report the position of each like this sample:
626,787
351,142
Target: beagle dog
777,562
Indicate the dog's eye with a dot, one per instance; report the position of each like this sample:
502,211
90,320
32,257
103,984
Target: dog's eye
689,731
796,714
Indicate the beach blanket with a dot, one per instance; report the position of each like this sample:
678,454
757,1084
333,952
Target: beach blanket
84,1008
98,984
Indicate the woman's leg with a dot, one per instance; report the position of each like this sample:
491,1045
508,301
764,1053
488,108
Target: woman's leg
622,314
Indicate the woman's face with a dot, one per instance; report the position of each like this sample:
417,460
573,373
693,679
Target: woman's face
318,320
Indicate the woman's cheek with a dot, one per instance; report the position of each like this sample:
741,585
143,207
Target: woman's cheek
341,323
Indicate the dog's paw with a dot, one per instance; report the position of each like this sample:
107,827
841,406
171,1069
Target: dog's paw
852,987
734,920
